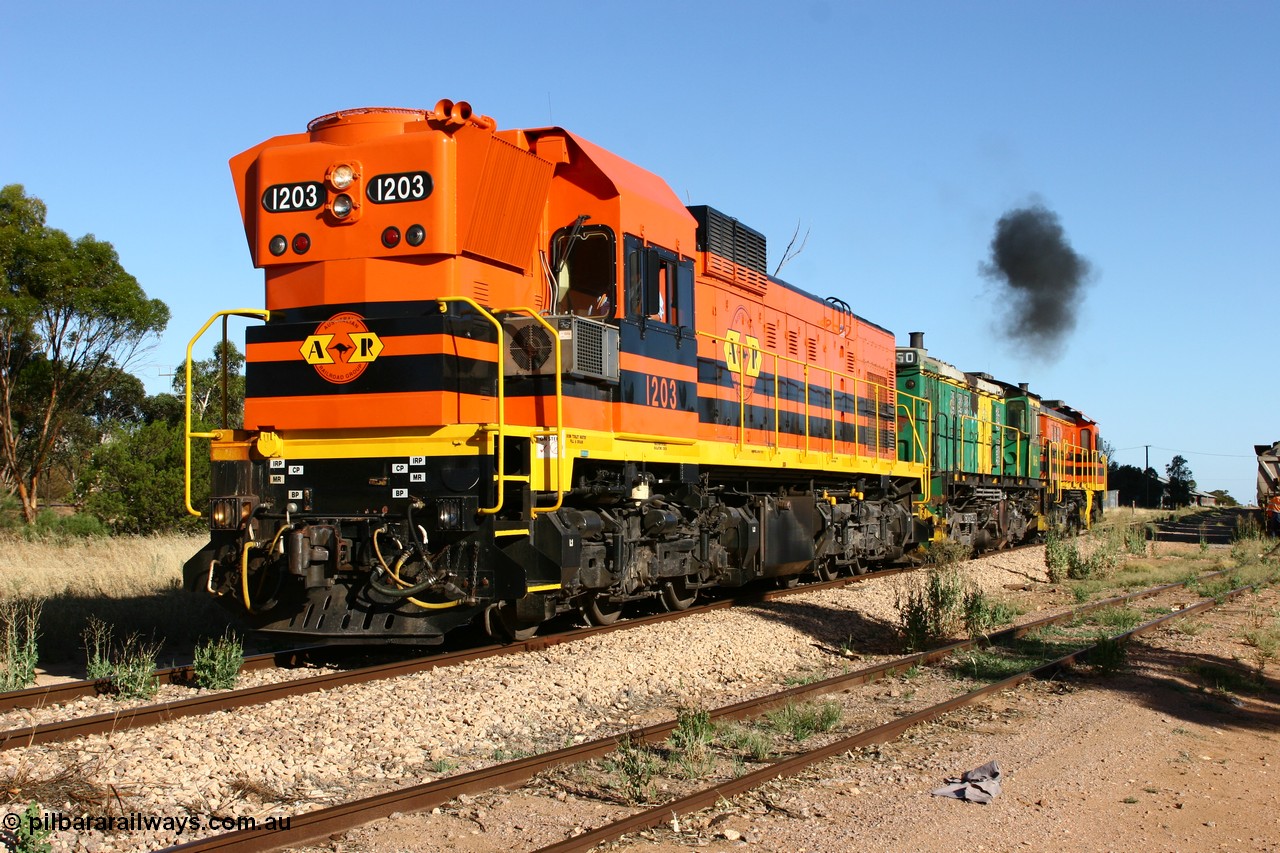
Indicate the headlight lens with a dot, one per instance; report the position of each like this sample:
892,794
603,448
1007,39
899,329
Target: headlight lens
229,513
342,176
342,206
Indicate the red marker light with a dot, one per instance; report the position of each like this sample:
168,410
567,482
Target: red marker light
391,237
301,243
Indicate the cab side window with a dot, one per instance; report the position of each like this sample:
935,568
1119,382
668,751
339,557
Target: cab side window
659,285
584,268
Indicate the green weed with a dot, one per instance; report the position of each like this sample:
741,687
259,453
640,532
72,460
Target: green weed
694,730
217,662
1108,654
636,764
31,836
1117,618
946,552
801,721
982,613
930,610
756,744
1059,554
19,647
129,665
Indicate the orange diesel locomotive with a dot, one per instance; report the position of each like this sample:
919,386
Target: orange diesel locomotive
505,374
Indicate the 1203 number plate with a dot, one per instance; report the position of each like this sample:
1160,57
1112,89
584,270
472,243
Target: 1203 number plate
286,198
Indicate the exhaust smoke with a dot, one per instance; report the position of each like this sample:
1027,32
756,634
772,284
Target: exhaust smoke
1041,278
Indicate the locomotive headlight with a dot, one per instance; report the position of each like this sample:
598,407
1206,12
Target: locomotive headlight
342,206
229,513
415,235
342,176
278,245
450,514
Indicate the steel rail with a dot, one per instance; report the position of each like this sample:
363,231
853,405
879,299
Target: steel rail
708,797
304,828
124,719
48,694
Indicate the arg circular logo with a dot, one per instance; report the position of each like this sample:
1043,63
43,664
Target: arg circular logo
342,348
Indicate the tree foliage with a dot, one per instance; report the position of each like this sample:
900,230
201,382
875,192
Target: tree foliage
1181,485
1136,486
72,320
1224,498
134,481
207,388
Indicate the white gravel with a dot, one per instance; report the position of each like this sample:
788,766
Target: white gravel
315,750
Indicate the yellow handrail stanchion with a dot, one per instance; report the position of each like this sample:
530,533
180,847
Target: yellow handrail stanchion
235,312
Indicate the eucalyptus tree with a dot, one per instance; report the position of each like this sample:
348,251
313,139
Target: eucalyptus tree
71,320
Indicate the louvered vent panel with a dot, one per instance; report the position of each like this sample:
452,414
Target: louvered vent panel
509,202
744,248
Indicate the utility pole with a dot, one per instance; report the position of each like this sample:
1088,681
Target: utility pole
1146,481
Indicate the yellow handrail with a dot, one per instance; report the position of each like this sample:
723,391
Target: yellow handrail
923,447
235,312
502,407
873,389
500,477
558,430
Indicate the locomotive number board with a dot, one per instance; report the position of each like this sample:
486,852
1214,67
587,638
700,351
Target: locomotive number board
286,198
399,187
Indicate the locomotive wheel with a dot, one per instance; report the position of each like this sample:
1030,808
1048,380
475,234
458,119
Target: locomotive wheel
826,570
858,568
500,624
676,595
787,582
600,611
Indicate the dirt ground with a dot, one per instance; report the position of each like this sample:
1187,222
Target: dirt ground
1179,751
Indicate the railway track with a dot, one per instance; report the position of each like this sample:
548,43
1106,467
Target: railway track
325,822
123,719
50,694
1218,526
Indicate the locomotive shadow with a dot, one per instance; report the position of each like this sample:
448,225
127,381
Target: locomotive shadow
173,619
834,629
1203,689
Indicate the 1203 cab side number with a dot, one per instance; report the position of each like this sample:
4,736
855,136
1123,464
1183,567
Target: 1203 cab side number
660,391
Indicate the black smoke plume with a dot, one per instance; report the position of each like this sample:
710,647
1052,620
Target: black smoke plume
1041,277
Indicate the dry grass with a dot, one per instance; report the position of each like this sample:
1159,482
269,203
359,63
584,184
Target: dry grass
131,583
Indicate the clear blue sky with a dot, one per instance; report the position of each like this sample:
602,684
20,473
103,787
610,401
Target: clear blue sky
896,133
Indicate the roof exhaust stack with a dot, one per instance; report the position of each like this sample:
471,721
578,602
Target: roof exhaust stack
917,340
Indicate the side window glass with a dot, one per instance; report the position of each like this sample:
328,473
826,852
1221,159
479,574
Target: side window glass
585,272
656,293
682,304
635,283
658,285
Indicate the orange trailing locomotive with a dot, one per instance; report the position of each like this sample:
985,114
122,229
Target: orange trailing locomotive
505,374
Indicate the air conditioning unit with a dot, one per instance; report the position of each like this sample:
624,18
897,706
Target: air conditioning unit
588,348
